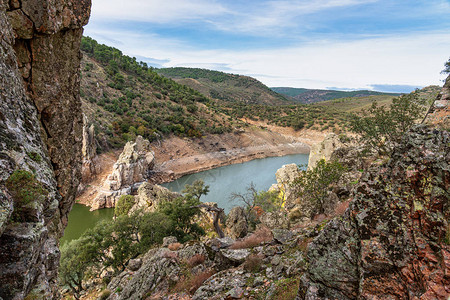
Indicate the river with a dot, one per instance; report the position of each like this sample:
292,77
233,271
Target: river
222,183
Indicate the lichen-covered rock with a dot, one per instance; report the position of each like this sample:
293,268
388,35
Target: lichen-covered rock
236,224
285,176
133,165
324,149
390,243
149,196
439,114
40,129
275,219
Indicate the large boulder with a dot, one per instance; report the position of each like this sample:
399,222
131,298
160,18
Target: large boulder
236,224
391,242
133,165
275,219
439,114
149,196
324,149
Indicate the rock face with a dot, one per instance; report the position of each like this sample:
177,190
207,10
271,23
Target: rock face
392,242
131,169
439,114
236,223
90,167
324,149
285,177
149,196
40,130
133,165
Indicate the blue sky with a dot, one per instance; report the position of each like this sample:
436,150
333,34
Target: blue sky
345,44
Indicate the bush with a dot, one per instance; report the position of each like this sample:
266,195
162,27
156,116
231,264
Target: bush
312,185
24,188
253,263
123,205
381,128
196,260
261,235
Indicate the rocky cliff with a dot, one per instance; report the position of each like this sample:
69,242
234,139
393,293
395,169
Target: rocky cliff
40,146
393,241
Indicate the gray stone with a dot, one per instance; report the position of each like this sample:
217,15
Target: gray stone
134,264
236,224
282,236
169,240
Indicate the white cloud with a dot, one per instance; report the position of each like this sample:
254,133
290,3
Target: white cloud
156,11
414,59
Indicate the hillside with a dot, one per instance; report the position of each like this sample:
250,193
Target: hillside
224,86
307,96
125,98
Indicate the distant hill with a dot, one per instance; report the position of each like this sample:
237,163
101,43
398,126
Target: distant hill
225,86
124,98
308,96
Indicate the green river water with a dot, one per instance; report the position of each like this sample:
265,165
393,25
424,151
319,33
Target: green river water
222,183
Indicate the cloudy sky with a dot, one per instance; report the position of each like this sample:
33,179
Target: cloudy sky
388,45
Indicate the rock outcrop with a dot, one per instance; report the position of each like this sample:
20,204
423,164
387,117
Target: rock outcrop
324,149
40,145
130,170
237,225
133,165
149,196
392,242
439,113
90,166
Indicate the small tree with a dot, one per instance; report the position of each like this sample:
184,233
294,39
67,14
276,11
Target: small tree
381,128
313,185
182,210
256,202
446,67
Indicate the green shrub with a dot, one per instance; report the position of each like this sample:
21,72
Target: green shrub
24,188
123,205
34,156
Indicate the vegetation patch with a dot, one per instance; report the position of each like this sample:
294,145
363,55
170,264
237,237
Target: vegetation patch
123,205
24,188
286,289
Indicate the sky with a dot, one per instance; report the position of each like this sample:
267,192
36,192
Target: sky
384,45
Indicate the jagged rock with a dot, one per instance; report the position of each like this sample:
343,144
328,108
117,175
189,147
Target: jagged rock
108,199
133,165
439,114
275,219
236,224
134,264
285,176
149,196
153,276
220,284
324,149
389,244
282,236
40,130
217,243
235,256
169,240
90,166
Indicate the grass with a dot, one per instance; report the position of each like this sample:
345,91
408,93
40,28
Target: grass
259,236
286,289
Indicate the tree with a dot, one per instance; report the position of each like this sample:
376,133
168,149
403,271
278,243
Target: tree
182,210
381,128
256,202
312,185
446,67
